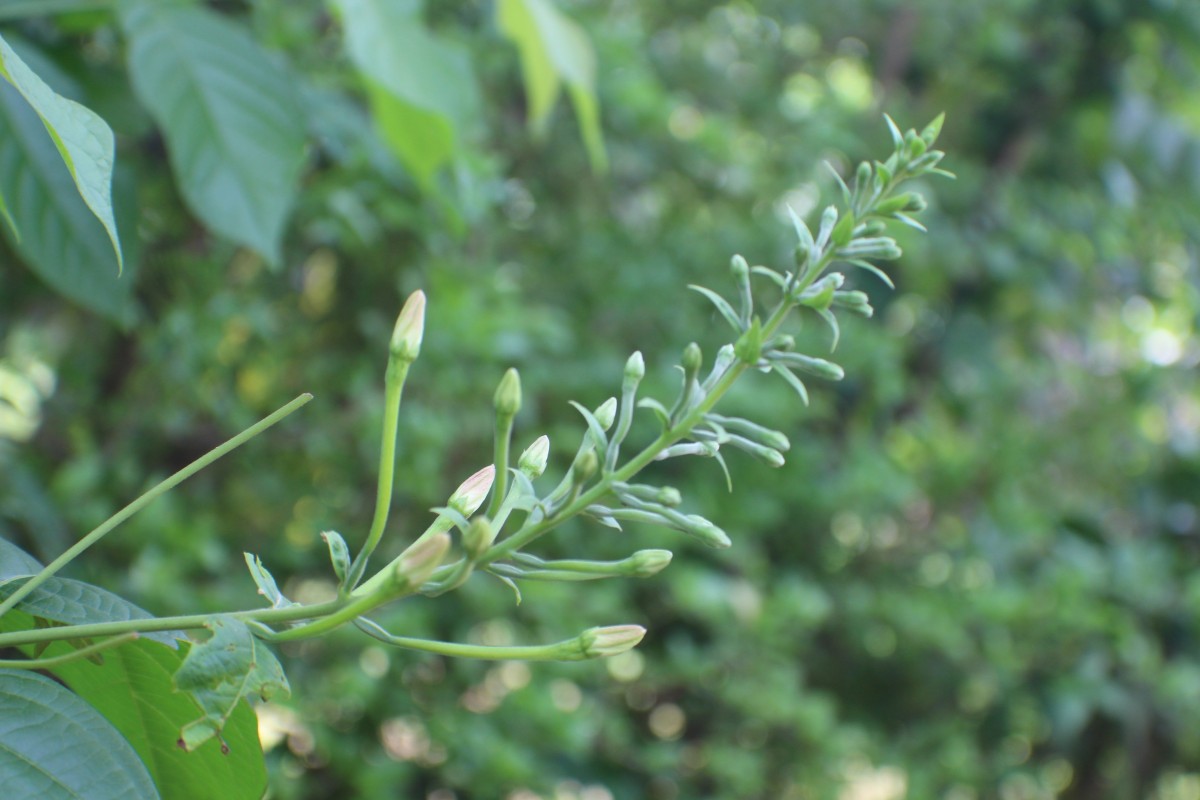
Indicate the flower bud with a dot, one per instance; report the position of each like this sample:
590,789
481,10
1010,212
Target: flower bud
739,268
478,536
635,367
692,359
532,462
508,394
645,563
417,563
585,467
606,413
410,328
610,641
468,497
863,177
700,528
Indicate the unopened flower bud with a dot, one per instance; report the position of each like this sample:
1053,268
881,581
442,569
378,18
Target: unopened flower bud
705,531
478,536
635,367
739,268
645,563
812,365
410,328
532,462
606,413
417,563
610,641
585,467
863,177
468,497
508,394
692,359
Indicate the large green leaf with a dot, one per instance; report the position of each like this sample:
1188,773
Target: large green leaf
133,688
422,92
67,601
54,745
60,238
84,141
219,672
229,113
554,50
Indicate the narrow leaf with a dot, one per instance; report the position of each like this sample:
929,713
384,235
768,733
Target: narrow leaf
792,380
265,582
723,306
594,426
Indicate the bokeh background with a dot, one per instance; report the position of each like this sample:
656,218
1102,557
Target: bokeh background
976,577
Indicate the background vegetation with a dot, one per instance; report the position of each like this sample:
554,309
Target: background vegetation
974,578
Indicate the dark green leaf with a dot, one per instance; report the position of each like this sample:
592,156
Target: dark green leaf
133,688
54,745
60,238
230,115
84,141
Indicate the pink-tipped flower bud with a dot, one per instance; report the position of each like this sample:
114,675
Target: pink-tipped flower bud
533,461
468,497
410,328
610,641
417,563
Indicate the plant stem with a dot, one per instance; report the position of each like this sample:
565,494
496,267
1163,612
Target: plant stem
188,622
566,650
65,658
397,372
137,505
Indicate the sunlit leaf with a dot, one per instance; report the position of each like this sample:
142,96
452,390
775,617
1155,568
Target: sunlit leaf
83,140
554,50
219,672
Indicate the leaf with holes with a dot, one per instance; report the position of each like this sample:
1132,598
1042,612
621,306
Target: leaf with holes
229,113
219,672
133,688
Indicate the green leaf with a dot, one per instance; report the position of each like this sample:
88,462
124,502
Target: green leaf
61,240
555,50
230,115
219,672
72,602
84,141
134,690
421,89
54,745
266,582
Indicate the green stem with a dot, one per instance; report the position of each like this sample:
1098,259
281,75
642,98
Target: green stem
19,9
137,505
66,658
397,372
566,650
504,428
96,630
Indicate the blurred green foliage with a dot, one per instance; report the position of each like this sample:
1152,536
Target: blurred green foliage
974,578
